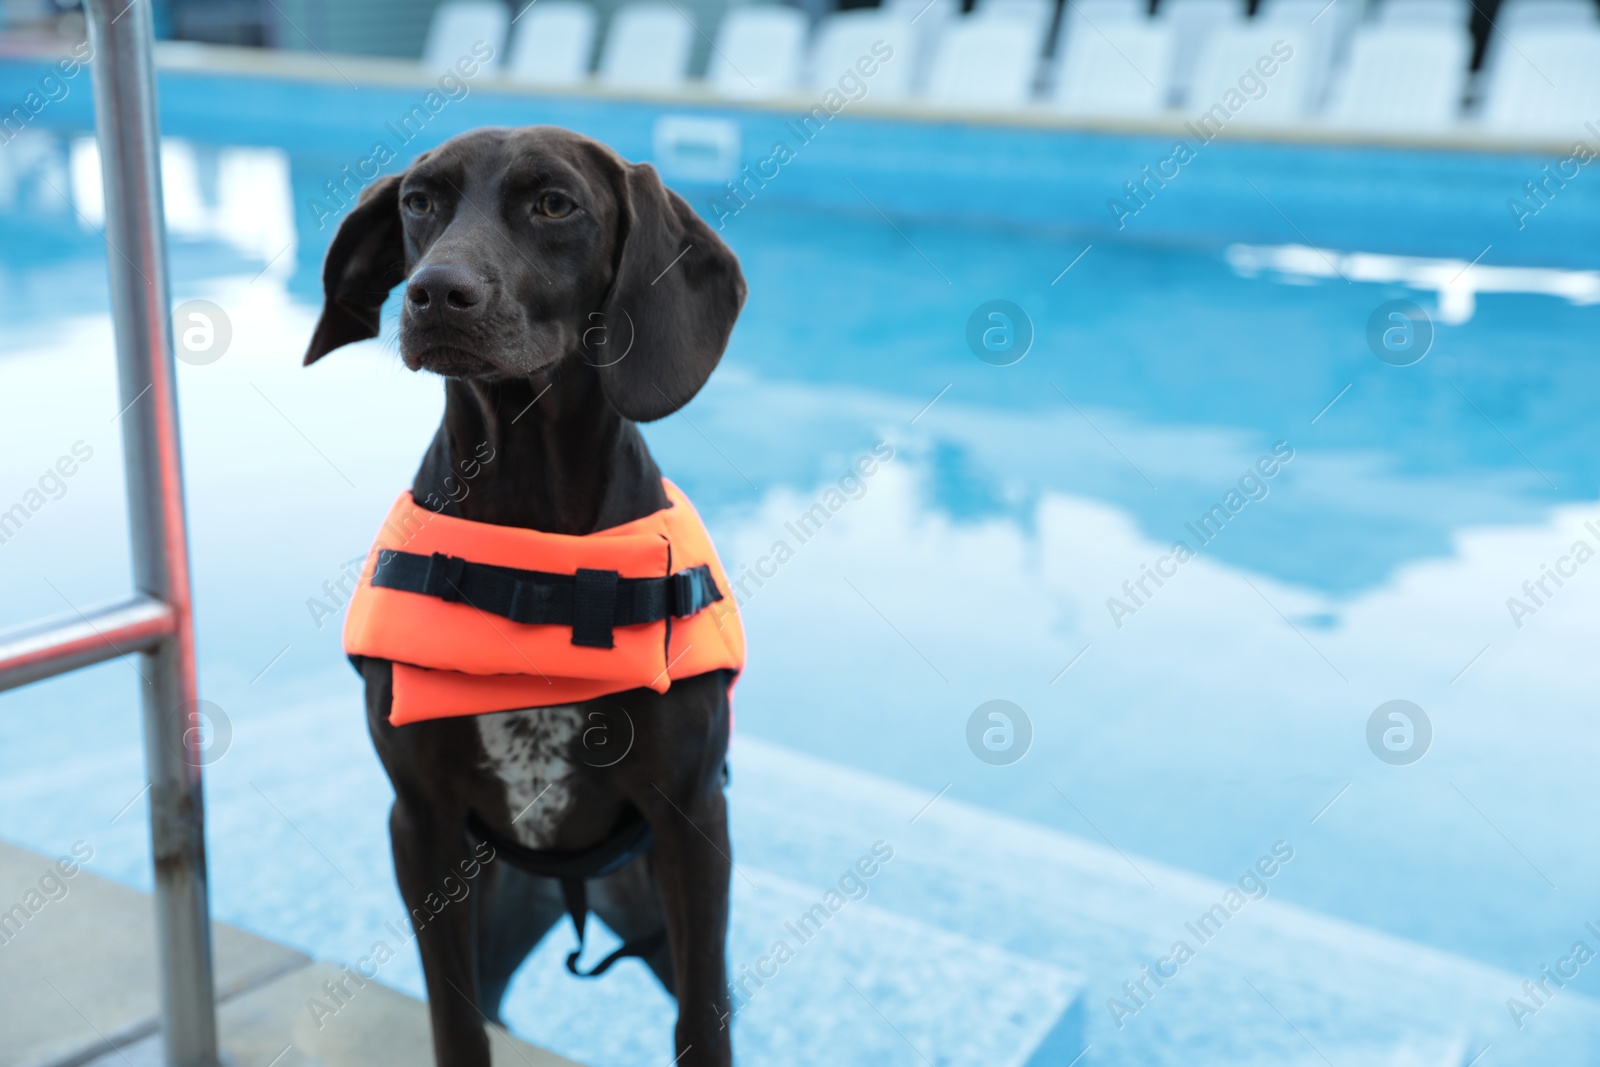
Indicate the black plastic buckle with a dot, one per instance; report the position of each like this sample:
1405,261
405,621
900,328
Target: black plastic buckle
443,579
689,592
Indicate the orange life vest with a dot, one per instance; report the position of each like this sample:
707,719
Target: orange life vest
635,606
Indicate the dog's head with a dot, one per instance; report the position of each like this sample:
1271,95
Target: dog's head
524,248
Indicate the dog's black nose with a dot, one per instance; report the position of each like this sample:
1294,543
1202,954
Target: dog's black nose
445,286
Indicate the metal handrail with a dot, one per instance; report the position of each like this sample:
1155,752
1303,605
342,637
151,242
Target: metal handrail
44,650
157,623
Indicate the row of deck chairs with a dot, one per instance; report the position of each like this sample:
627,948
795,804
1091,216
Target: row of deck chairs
1401,66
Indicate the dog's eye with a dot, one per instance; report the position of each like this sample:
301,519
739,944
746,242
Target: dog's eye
418,203
554,206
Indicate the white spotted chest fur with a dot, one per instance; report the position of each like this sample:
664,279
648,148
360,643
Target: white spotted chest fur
529,752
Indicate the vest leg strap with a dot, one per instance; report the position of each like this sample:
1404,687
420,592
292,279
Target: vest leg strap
576,896
572,870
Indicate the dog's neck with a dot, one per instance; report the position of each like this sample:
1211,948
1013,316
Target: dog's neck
545,453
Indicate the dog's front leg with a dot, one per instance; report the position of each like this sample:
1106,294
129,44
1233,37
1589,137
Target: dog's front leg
430,854
692,867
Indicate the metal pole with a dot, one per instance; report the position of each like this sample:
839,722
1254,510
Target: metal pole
44,650
126,127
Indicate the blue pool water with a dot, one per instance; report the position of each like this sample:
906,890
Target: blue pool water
1174,742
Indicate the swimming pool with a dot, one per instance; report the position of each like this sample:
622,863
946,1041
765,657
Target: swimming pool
1181,729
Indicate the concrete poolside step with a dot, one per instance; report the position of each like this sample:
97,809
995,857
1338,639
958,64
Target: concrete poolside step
77,959
78,979
273,1025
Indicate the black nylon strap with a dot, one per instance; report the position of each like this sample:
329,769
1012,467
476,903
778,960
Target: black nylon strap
594,606
592,602
575,894
631,838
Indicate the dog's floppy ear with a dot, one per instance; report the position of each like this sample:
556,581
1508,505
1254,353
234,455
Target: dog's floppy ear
365,261
681,289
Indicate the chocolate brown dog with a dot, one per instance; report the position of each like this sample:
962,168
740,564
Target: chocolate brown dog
564,295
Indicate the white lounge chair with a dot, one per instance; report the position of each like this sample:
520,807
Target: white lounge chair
647,47
1114,67
1192,23
1086,14
1516,15
552,43
1343,12
1039,14
459,25
847,37
1547,82
1404,77
1228,74
986,61
928,20
1326,28
760,51
1432,12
